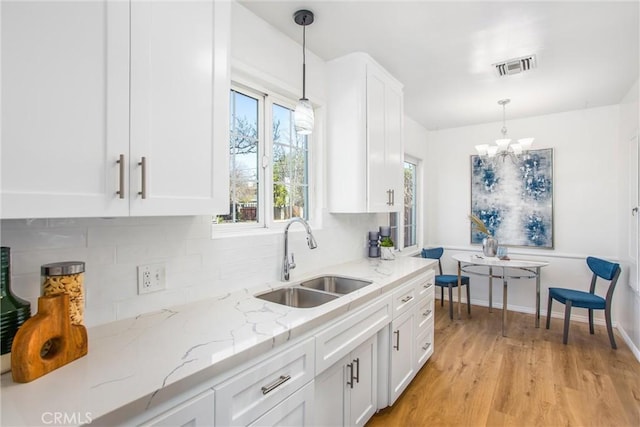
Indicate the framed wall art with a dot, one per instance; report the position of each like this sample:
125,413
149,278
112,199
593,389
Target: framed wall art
514,198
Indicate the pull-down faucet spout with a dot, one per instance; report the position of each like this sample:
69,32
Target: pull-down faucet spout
287,265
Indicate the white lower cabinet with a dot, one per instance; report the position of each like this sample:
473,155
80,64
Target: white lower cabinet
339,375
252,394
195,412
346,393
410,342
402,360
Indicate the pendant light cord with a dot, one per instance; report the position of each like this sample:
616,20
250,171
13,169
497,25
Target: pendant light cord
304,58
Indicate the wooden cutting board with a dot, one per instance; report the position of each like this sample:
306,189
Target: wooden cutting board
47,340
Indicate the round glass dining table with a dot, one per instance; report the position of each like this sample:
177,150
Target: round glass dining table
493,267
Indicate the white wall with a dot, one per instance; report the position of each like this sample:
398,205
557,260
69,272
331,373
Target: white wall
587,186
627,302
197,265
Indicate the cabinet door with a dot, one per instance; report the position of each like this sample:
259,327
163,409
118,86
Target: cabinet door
377,174
402,354
196,412
363,395
331,394
179,107
394,147
296,410
65,107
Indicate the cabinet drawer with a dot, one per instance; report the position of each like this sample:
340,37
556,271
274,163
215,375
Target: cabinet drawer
295,410
426,286
197,411
336,341
406,295
247,396
424,345
424,314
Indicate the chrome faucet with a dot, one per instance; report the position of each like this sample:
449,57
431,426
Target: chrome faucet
311,242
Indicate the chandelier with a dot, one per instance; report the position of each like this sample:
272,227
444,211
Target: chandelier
504,147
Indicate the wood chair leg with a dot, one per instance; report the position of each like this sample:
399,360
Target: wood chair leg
607,316
591,331
567,316
468,301
450,303
549,311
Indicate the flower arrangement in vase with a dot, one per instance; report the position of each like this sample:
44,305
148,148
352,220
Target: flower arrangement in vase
489,243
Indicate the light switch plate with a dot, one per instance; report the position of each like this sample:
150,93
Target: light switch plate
151,278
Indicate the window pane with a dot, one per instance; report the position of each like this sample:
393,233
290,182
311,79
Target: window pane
290,168
409,204
243,159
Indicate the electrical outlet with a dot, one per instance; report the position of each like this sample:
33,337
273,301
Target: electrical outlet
151,278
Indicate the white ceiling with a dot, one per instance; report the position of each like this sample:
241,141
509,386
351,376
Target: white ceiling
587,52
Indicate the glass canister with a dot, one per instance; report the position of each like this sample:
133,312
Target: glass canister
66,277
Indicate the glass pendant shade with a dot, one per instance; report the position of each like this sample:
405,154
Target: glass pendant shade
303,117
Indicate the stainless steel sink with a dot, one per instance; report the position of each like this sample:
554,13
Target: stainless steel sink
297,297
335,284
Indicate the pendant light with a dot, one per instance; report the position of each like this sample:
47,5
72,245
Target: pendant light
303,115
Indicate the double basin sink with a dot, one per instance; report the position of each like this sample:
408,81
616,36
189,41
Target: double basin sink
314,292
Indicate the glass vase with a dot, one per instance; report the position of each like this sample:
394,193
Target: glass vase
489,246
14,311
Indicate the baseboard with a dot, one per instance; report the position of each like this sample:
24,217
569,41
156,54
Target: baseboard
627,339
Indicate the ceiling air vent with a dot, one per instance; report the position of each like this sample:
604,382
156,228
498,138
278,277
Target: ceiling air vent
515,66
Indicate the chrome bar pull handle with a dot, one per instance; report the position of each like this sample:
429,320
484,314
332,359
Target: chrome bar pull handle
357,362
120,162
143,172
634,211
426,313
393,197
350,382
277,383
407,298
426,346
397,346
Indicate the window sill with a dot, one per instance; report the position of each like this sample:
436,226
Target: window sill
229,231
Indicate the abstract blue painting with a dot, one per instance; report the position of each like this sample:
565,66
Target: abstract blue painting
514,199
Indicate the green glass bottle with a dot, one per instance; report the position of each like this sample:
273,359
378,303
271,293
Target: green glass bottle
14,311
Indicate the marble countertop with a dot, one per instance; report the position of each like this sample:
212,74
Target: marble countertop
133,359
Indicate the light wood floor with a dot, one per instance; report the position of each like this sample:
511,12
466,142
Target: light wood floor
476,377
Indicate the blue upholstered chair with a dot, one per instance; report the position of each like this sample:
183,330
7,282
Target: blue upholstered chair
449,281
589,300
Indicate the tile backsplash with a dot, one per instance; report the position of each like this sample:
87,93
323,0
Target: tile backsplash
197,265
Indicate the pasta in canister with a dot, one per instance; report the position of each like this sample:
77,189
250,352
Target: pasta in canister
68,278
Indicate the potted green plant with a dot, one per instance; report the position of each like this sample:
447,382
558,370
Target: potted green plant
489,243
386,248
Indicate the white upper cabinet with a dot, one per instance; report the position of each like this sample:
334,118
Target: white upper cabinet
178,109
365,148
85,84
65,107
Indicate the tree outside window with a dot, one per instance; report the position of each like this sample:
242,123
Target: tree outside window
287,172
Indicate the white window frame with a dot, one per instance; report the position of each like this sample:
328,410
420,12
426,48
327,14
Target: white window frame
266,99
399,243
